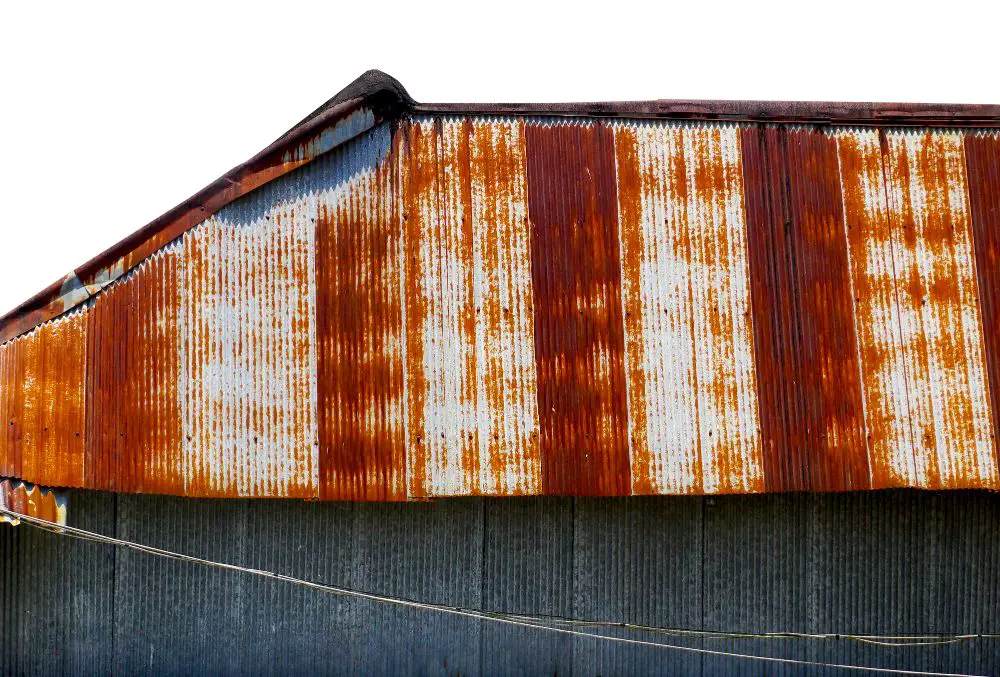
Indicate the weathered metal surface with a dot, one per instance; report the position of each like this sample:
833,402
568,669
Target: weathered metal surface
359,326
940,324
31,500
42,403
134,417
885,562
470,349
692,390
811,407
465,305
248,354
579,335
982,156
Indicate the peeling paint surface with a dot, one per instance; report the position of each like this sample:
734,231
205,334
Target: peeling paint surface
457,304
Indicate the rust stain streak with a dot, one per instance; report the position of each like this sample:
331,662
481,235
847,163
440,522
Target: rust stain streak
576,283
811,407
883,363
360,365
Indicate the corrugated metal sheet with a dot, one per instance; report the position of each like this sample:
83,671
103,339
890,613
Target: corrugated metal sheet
692,388
886,562
31,500
464,305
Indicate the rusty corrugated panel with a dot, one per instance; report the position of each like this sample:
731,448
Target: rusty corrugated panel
940,324
471,375
812,414
11,405
359,325
43,403
248,354
982,158
133,356
877,319
576,282
689,344
31,500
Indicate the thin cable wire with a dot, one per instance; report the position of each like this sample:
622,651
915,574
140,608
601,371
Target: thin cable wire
535,622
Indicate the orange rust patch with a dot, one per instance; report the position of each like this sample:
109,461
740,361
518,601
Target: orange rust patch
359,339
576,282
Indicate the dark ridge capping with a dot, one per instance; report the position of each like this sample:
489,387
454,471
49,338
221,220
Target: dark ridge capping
377,91
803,112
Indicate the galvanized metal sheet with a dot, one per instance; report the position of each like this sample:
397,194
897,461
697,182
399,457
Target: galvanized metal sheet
579,336
982,156
940,323
133,422
693,422
359,325
808,374
471,372
248,354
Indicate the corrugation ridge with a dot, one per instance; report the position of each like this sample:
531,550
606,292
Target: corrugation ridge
359,329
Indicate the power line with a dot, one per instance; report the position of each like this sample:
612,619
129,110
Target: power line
550,624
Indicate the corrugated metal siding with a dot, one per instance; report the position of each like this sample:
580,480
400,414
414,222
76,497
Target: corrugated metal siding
982,156
941,329
248,362
498,306
692,389
885,562
42,403
361,396
807,362
579,339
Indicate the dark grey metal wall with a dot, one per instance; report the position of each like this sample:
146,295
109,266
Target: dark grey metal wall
882,562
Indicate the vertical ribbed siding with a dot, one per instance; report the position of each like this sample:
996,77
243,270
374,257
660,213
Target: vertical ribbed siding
440,313
811,408
982,159
685,294
359,327
248,364
471,373
43,403
133,412
576,283
939,309
877,319
507,404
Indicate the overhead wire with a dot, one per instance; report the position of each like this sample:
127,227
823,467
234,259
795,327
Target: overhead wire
559,625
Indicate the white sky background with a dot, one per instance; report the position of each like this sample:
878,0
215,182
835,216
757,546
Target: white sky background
112,115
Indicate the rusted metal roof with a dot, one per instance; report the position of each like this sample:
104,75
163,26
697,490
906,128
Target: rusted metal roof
400,300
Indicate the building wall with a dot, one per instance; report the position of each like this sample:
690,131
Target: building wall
875,562
484,306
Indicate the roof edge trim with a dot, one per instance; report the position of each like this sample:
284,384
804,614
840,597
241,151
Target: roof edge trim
805,112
